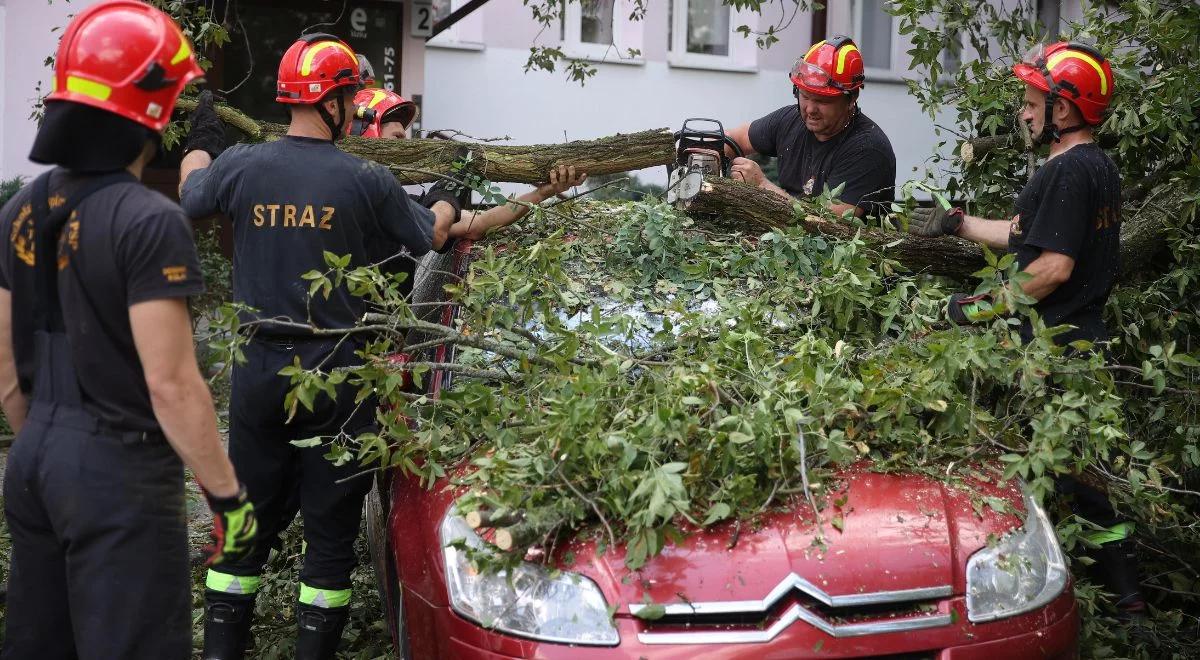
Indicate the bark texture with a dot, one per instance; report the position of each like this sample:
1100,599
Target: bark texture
742,206
761,211
421,161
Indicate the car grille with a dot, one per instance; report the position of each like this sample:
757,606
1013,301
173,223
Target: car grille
796,601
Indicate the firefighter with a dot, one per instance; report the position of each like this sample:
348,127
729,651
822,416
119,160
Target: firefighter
823,140
291,201
1065,233
97,367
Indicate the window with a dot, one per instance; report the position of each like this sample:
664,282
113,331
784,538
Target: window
707,27
466,34
1049,15
701,34
874,33
596,22
601,30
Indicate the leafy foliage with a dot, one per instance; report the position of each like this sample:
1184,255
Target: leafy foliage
1150,132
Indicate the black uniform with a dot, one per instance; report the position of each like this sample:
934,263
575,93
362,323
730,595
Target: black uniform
291,201
1072,206
860,157
93,493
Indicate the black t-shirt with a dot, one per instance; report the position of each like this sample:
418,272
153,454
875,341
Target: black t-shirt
860,156
123,245
395,258
1073,206
291,201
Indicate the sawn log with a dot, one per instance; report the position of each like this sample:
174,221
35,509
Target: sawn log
420,161
761,211
752,209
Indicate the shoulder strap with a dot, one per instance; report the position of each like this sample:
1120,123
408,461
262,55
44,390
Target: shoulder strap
48,225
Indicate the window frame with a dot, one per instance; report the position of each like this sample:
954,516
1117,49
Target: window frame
740,58
626,34
466,34
894,72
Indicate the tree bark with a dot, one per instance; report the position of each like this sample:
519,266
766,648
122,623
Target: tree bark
420,161
743,206
761,211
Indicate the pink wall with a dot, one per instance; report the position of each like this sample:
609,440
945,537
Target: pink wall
25,43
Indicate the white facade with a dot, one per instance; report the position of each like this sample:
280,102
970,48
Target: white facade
26,40
471,77
476,83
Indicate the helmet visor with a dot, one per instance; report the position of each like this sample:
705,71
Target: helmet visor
811,75
1035,56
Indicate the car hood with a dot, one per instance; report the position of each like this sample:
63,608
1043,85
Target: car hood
892,533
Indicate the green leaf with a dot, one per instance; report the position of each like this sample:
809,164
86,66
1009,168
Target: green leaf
652,612
719,511
308,442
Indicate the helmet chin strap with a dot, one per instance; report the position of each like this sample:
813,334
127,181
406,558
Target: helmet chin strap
335,128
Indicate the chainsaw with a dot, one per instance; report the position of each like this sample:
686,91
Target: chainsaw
699,152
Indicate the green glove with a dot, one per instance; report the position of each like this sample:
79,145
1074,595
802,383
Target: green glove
935,221
235,528
963,309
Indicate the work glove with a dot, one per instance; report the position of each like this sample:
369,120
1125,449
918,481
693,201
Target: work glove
444,191
964,309
207,133
454,193
935,221
235,528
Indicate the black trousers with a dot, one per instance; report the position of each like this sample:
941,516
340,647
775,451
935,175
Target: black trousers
282,478
99,543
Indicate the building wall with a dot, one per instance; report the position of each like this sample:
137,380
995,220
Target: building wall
26,41
484,91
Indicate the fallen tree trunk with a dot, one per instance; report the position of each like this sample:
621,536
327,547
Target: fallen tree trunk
763,211
754,209
421,161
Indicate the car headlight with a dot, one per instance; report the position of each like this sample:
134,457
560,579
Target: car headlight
1024,571
563,607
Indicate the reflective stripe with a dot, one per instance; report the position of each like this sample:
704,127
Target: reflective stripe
813,49
184,51
232,584
377,96
88,88
1064,54
306,67
324,597
842,53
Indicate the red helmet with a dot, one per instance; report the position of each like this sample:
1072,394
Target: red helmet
1076,72
830,68
314,65
374,107
127,58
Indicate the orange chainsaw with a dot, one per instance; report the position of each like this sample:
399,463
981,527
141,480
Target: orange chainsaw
699,152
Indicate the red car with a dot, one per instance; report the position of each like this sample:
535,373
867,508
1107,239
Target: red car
919,569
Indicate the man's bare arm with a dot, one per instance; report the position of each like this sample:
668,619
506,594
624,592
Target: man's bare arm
162,334
1050,270
992,233
195,160
11,398
475,225
740,135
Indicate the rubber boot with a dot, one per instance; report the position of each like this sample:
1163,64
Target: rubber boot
319,631
227,619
